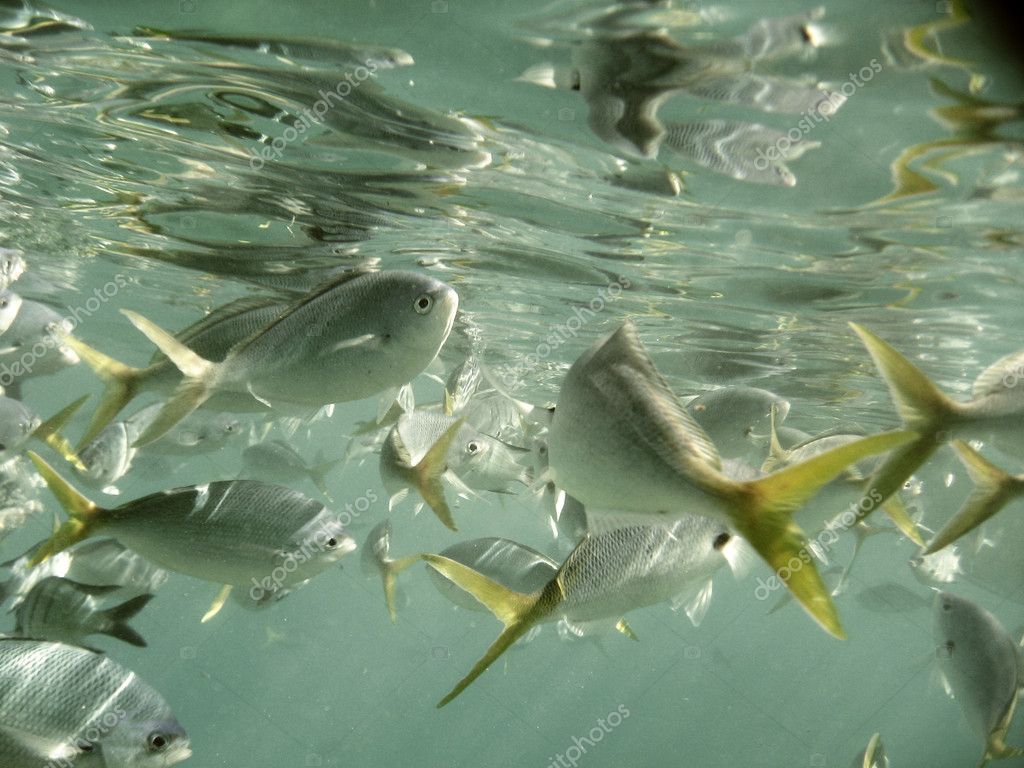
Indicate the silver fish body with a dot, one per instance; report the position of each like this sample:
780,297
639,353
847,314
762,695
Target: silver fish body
62,702
10,306
36,323
733,416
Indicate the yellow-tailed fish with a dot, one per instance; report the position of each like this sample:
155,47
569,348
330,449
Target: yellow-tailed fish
620,440
607,575
981,668
240,533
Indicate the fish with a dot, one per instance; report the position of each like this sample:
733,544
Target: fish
65,611
231,532
425,446
619,439
211,338
18,494
352,338
61,704
277,461
995,412
10,306
734,416
872,756
19,424
981,667
36,326
993,489
94,562
606,575
12,266
376,560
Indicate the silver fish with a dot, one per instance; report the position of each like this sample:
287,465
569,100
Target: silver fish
425,446
606,575
63,703
37,326
10,306
234,532
65,611
277,461
12,266
981,665
733,417
620,440
350,339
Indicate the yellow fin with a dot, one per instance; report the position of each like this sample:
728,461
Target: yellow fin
993,489
189,395
122,383
187,361
762,514
49,433
623,626
428,475
82,513
897,512
217,604
517,611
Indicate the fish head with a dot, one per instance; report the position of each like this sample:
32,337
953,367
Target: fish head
320,543
137,741
12,265
418,313
485,463
108,457
377,549
10,305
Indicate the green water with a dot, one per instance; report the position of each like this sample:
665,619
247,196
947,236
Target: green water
128,154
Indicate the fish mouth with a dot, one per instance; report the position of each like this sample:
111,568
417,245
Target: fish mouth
178,753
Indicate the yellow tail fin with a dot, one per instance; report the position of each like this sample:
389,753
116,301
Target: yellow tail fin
193,390
49,433
428,474
762,514
122,383
517,611
82,513
993,489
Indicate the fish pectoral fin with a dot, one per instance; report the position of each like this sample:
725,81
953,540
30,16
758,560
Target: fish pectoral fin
256,397
189,395
367,341
993,489
623,627
696,604
217,604
429,471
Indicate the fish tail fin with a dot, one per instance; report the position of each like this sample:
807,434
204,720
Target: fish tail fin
82,513
122,382
993,489
119,616
763,514
389,570
428,473
49,433
920,404
193,390
516,610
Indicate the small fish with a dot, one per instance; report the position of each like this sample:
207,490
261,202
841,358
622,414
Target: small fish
891,598
607,575
57,695
376,560
233,532
733,416
95,562
996,412
620,440
10,306
277,461
12,266
36,324
993,489
981,665
352,338
18,424
872,756
425,446
65,611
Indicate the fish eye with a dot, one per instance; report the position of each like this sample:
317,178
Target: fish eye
543,450
332,543
721,540
84,746
473,447
423,304
156,741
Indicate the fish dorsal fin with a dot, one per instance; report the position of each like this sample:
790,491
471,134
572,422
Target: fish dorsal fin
221,314
1005,373
308,298
623,372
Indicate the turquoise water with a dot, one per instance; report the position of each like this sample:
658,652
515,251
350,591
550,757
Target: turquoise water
171,166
